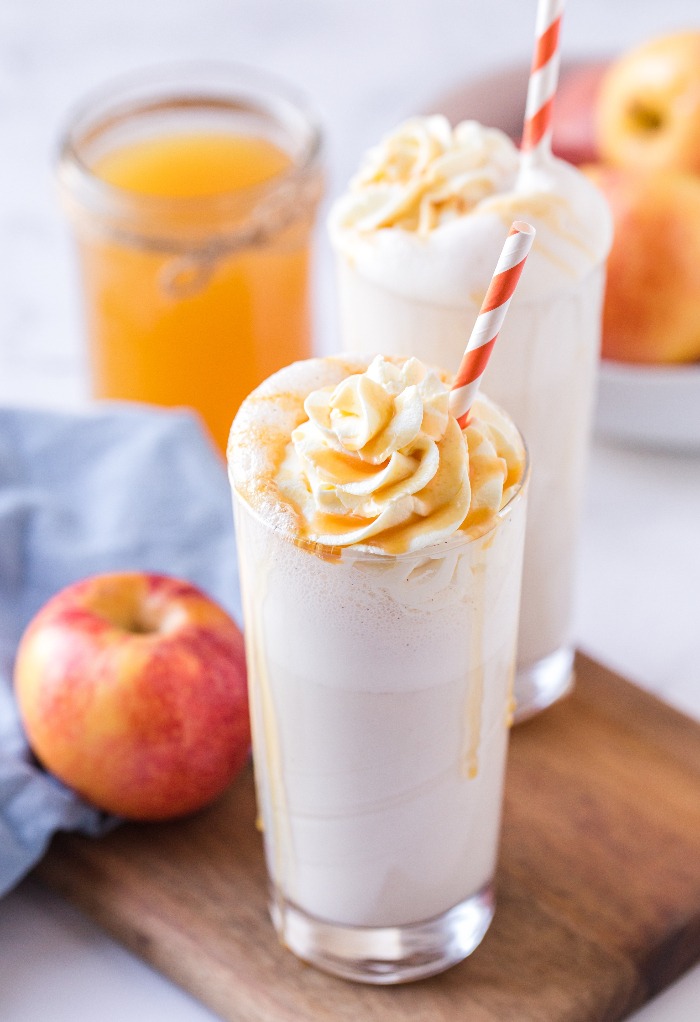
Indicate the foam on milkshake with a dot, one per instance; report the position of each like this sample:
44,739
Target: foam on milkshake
426,214
364,453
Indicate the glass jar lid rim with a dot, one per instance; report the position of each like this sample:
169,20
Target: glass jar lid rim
244,83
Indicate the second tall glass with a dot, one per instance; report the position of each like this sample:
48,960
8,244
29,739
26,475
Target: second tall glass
416,236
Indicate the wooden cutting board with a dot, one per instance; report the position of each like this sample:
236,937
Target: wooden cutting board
598,889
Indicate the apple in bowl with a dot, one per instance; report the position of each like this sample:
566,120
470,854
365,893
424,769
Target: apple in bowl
647,108
650,313
131,687
647,117
574,126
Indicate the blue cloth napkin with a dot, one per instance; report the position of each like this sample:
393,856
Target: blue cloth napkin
121,487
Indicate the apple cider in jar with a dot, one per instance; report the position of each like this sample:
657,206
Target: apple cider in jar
193,195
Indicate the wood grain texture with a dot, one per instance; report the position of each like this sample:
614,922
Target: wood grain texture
598,887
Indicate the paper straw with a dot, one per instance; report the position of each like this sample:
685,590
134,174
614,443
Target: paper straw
544,75
490,319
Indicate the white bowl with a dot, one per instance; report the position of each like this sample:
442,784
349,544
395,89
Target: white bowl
651,406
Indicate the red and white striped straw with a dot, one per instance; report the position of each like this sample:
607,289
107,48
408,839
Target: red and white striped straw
490,320
544,75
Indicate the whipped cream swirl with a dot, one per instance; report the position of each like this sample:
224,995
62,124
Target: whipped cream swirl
426,214
380,462
424,174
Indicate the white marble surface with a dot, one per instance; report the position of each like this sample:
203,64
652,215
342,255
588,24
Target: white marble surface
366,63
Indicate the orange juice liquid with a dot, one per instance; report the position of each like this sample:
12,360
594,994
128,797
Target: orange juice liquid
168,329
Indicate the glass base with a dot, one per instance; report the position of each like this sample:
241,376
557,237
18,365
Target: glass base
543,683
386,954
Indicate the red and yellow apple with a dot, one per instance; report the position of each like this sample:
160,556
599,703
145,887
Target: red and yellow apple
651,311
132,691
648,106
573,123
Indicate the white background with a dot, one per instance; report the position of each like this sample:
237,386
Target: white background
365,64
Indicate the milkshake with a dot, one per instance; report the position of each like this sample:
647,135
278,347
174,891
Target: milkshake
380,551
414,236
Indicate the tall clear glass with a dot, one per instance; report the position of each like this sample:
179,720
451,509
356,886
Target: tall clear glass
192,191
381,700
